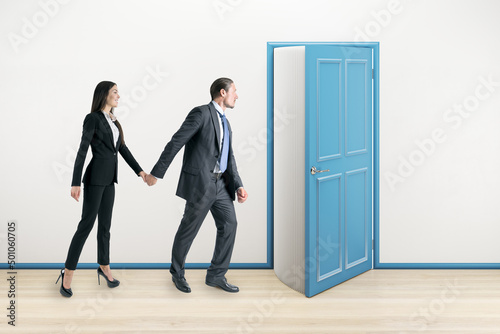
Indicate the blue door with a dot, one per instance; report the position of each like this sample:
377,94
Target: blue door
338,165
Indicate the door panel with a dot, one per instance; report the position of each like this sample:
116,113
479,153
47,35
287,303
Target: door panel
356,119
358,224
328,139
329,259
339,144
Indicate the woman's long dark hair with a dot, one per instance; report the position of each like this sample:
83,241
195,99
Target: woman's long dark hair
99,101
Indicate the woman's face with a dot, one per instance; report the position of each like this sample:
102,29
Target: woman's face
112,99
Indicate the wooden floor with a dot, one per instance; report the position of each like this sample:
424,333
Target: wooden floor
379,301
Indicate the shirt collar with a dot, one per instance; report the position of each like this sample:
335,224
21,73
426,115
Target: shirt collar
110,117
218,108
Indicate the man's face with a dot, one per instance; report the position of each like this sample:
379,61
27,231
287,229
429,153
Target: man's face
230,97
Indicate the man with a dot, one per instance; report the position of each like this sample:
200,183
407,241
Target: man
208,182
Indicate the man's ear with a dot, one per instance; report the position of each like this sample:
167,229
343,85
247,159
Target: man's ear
222,92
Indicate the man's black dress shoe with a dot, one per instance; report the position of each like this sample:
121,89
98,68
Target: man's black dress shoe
221,283
181,284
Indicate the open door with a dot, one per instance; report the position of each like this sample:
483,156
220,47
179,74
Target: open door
323,165
338,165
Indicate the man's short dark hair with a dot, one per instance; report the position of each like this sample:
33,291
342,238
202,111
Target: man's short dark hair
217,85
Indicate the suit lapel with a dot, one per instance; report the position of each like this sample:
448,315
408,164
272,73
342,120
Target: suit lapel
105,123
215,122
118,143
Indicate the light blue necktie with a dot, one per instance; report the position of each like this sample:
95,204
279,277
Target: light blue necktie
225,145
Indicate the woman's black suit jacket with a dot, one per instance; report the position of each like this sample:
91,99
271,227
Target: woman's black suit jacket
103,168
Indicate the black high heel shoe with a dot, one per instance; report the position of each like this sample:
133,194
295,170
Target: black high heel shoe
111,284
65,292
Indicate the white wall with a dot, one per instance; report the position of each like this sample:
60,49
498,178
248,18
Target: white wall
442,206
433,56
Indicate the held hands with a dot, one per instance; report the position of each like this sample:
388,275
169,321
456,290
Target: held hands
75,192
150,180
242,195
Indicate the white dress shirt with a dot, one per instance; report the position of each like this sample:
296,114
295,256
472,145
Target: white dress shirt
220,113
114,128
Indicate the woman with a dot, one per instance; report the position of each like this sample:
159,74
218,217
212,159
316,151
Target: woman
104,134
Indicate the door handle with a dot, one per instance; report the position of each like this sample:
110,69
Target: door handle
314,170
